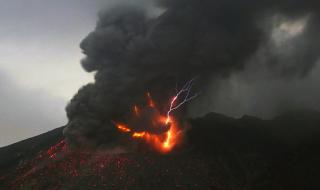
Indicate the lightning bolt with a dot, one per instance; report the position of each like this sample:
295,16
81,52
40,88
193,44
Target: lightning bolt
185,91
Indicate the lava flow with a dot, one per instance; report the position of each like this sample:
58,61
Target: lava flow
162,131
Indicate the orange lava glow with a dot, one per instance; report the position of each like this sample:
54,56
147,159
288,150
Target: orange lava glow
123,128
163,142
150,100
139,135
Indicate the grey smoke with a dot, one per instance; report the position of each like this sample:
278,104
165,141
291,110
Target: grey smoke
132,52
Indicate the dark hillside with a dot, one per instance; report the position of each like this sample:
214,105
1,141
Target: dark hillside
219,153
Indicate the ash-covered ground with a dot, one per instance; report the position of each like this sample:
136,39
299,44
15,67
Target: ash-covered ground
218,153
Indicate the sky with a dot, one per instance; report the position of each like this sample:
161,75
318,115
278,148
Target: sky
39,63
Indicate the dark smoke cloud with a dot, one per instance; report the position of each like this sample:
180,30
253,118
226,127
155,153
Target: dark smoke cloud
292,56
132,53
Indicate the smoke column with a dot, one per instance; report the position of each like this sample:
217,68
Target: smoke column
132,53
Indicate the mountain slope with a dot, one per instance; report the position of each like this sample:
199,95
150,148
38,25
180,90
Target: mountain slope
12,155
219,153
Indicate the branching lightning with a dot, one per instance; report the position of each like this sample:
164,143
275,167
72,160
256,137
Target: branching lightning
185,90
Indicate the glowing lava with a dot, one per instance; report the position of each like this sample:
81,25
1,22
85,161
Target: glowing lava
123,128
163,132
163,142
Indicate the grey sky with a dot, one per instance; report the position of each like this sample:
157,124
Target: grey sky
25,112
39,62
39,43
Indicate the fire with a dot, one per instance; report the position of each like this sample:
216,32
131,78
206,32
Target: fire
167,143
171,132
163,142
123,128
139,135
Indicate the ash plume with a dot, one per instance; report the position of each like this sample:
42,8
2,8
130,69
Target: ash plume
132,53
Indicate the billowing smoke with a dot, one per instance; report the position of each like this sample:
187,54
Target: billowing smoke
132,53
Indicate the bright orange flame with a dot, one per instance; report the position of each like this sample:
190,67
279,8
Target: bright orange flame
168,120
167,143
123,128
162,142
172,136
139,135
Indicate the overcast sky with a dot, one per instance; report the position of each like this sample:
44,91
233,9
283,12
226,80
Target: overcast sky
39,63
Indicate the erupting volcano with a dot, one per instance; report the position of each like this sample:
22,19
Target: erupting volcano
162,131
245,55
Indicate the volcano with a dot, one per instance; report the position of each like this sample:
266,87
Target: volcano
219,152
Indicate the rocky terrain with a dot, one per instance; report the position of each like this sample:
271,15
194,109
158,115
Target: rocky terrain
219,153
